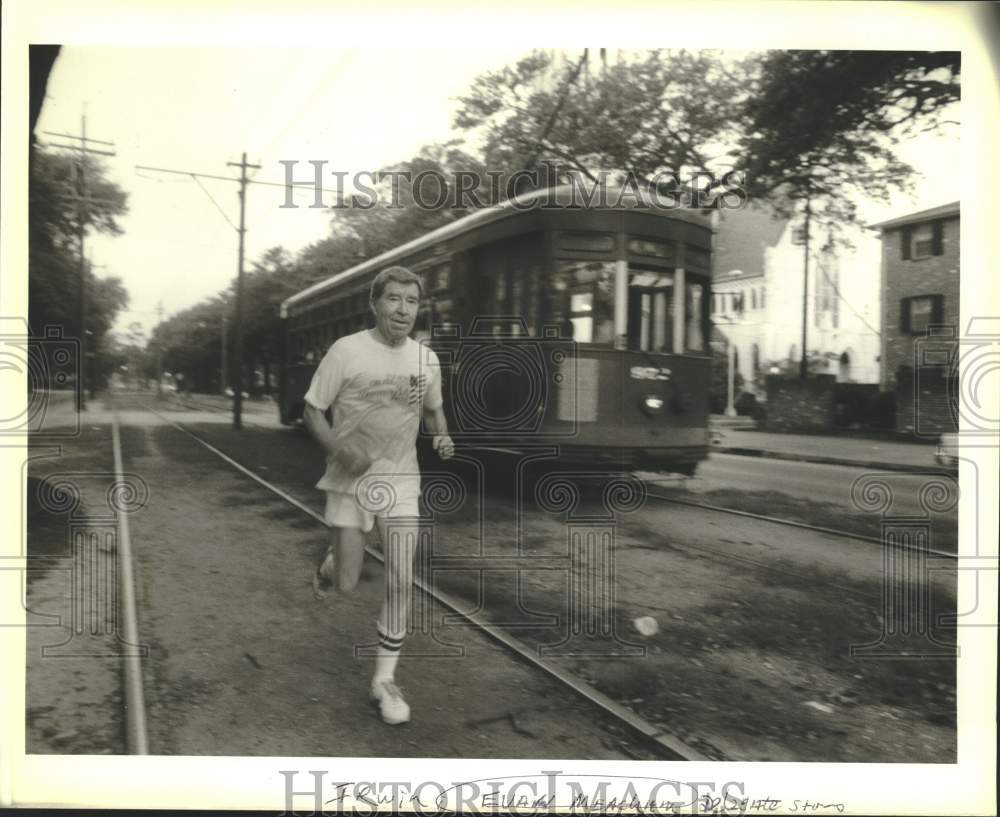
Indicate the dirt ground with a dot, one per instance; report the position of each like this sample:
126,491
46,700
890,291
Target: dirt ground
241,659
752,659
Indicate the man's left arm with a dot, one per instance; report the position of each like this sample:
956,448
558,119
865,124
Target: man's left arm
437,425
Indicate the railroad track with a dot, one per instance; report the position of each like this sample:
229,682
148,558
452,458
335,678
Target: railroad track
656,738
187,402
944,554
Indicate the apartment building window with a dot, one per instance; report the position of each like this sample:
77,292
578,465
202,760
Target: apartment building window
919,312
922,240
922,243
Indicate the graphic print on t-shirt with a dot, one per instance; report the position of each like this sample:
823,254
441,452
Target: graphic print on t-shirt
395,388
377,395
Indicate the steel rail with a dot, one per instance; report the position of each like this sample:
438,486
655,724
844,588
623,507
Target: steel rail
670,745
135,707
944,554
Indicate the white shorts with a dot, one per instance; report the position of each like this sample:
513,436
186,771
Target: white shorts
343,511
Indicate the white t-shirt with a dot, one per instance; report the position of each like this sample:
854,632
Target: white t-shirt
378,394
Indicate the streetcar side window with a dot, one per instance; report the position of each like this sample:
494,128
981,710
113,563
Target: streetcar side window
523,292
581,315
516,299
694,317
589,308
422,326
443,276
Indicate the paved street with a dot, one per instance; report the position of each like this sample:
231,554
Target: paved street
831,447
817,482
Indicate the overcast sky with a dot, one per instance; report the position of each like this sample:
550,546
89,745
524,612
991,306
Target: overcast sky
195,109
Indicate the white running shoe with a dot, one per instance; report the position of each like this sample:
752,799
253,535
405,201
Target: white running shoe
390,702
322,579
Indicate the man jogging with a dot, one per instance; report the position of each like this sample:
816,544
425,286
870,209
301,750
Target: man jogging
379,383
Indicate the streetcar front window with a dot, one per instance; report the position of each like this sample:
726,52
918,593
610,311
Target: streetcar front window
650,311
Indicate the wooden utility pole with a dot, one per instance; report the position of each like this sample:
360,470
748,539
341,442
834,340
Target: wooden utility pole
82,215
243,181
222,368
804,362
159,352
238,388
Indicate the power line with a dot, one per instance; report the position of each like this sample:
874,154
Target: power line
217,207
243,181
309,185
836,291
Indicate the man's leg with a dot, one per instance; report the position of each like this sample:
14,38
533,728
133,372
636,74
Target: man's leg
350,557
346,552
399,543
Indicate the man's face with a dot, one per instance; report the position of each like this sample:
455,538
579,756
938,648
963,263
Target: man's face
396,310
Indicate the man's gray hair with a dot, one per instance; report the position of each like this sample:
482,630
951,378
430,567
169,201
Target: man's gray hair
401,275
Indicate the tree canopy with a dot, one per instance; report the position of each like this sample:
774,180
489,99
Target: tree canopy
796,124
662,110
824,123
53,254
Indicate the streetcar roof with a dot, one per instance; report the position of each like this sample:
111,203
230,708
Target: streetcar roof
564,196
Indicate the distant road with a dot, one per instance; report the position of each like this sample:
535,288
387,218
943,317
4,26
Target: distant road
829,484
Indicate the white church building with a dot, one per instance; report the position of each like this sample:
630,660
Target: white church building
758,271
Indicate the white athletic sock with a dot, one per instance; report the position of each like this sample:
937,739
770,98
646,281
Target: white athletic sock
386,656
385,664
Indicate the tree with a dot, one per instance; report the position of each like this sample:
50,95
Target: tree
818,124
822,124
190,343
130,351
271,279
640,114
422,196
53,260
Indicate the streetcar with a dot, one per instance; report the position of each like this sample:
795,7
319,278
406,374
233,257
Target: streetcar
562,325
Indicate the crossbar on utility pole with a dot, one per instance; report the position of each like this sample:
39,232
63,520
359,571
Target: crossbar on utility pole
238,390
82,215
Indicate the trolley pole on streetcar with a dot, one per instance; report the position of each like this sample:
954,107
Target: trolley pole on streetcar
238,363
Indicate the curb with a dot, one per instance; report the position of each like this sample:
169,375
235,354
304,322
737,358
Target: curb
882,466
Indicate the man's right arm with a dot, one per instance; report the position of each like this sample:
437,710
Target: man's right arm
323,392
315,421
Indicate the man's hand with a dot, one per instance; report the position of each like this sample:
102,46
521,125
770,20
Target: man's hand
351,457
444,446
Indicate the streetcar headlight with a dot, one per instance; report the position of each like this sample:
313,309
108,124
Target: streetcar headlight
651,404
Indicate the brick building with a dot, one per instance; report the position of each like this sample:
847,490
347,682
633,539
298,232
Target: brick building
920,297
